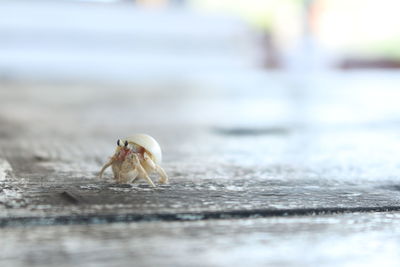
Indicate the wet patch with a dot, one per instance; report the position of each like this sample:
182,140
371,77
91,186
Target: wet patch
392,187
244,131
71,198
184,216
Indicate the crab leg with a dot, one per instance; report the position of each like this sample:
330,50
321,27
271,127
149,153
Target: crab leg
151,165
145,176
134,176
108,164
163,175
142,172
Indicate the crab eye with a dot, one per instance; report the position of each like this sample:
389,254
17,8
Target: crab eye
126,143
119,142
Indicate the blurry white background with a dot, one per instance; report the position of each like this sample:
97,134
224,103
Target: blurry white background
158,39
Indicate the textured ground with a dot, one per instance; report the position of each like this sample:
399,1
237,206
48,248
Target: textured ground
268,169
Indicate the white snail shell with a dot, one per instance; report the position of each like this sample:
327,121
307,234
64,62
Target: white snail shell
149,144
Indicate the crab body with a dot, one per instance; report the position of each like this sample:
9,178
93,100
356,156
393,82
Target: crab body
136,157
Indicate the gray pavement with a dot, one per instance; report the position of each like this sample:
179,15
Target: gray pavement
265,169
329,240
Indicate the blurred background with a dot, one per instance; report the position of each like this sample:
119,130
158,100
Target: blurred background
243,67
153,39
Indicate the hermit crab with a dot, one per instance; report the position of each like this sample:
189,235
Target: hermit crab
136,157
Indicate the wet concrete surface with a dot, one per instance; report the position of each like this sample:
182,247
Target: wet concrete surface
269,169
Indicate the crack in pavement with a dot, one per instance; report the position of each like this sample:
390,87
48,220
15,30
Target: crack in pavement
184,216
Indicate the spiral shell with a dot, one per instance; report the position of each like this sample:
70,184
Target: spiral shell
149,144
